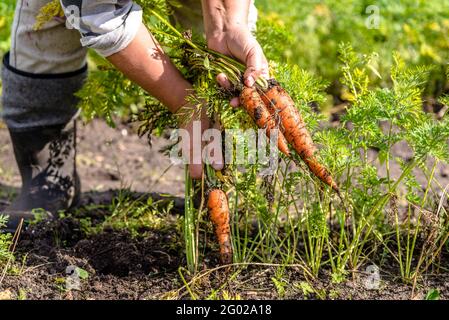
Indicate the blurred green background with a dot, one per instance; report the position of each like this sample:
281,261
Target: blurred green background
6,16
307,33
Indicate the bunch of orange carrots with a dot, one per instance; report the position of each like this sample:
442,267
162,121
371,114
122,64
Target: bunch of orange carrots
264,106
261,104
265,103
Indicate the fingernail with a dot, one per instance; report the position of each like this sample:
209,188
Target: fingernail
235,102
250,81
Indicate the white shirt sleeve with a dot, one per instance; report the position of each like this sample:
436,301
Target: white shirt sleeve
107,26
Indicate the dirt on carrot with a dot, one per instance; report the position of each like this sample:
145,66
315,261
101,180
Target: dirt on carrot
279,102
255,107
217,204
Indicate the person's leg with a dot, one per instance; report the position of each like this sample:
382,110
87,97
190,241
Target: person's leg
40,75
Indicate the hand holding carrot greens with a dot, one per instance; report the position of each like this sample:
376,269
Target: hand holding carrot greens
228,32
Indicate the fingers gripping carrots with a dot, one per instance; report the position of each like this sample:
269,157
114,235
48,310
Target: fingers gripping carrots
255,107
217,204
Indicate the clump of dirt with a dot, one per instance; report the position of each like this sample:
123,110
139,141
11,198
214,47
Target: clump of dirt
120,255
109,252
46,237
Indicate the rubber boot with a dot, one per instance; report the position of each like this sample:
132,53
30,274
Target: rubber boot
45,157
39,110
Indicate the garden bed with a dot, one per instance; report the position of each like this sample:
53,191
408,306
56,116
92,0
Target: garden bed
121,265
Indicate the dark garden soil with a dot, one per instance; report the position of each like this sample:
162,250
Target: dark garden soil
120,266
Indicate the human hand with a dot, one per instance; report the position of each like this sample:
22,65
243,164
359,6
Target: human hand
193,145
238,42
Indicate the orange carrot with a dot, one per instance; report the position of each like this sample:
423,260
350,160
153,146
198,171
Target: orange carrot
279,102
255,107
217,204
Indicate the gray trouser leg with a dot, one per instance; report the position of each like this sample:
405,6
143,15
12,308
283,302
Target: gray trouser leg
34,100
42,71
51,49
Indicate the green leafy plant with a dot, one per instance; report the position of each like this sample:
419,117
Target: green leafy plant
288,218
416,29
433,294
6,17
5,243
137,215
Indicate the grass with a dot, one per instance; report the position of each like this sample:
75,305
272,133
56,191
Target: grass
137,214
5,244
8,244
